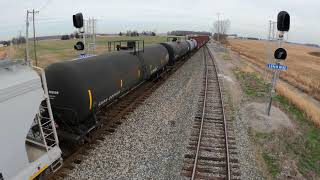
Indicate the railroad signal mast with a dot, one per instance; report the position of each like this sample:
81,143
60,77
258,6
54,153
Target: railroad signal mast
272,36
86,29
78,23
91,35
280,54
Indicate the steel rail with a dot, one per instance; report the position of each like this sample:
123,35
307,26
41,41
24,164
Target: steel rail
227,155
202,118
228,168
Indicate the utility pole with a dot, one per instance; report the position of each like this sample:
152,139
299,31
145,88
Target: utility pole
33,12
19,37
27,39
218,38
274,31
94,34
268,52
34,37
269,33
271,38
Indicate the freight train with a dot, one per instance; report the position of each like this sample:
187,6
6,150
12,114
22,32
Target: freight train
78,89
39,108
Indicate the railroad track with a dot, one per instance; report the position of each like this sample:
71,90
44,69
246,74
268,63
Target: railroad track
111,117
211,147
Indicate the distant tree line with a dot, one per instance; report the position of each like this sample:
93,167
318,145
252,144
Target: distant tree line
5,43
184,33
253,38
18,40
132,33
312,45
136,33
74,35
148,33
65,37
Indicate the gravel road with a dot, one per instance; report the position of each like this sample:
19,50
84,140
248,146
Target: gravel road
152,142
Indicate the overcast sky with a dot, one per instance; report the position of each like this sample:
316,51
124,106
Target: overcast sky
248,17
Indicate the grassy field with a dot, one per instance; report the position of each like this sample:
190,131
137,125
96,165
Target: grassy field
297,148
303,63
50,51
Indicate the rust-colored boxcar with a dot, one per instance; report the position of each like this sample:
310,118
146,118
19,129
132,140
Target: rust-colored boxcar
201,39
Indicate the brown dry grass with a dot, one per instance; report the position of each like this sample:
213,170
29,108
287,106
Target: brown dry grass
304,68
310,109
3,53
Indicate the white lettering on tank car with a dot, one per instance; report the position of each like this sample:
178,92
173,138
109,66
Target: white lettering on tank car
51,97
54,92
108,98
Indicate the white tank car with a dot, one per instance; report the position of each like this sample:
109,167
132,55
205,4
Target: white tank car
28,138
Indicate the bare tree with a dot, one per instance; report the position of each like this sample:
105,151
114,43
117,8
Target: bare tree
221,28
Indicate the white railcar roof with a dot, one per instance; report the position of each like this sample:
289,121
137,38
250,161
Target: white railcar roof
16,78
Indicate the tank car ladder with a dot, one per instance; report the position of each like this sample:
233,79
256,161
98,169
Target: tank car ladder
46,122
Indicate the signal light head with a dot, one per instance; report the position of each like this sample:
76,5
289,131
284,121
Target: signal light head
280,54
79,46
283,22
78,20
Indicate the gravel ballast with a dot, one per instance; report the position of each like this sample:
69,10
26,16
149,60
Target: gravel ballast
152,141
